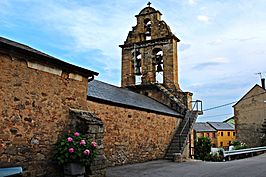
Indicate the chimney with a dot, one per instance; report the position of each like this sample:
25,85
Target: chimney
263,83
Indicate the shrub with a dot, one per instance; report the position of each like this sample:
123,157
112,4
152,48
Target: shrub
239,145
202,148
236,143
214,157
75,147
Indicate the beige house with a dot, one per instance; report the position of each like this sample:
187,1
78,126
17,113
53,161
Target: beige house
250,113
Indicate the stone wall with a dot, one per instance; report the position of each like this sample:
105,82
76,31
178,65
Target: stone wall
249,115
34,111
133,135
92,126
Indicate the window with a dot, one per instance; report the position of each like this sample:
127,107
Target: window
222,133
221,144
208,134
229,143
234,133
228,133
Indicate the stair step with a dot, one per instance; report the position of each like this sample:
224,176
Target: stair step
178,141
173,151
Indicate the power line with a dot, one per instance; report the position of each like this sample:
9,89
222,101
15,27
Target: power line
217,115
227,104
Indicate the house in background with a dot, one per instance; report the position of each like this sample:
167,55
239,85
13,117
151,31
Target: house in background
222,134
250,113
201,129
225,133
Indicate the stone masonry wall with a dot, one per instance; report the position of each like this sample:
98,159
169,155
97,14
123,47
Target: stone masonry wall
133,135
92,126
34,110
249,115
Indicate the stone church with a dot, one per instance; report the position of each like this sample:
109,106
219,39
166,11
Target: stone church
148,117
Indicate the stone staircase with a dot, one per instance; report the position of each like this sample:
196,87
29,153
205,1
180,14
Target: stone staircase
181,135
178,143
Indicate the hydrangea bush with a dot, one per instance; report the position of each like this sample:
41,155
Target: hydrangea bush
75,147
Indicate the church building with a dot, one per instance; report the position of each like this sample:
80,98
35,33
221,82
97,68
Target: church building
149,117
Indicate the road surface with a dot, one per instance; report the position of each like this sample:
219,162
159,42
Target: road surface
249,167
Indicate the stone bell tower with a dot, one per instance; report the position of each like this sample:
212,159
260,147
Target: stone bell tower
149,54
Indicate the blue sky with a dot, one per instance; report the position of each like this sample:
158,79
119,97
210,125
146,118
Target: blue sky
222,41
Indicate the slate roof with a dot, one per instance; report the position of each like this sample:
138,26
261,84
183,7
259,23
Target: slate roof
122,96
203,127
33,54
221,126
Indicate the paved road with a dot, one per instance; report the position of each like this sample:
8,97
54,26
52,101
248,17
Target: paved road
249,167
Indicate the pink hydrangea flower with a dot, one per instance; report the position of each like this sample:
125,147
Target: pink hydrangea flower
76,134
69,139
86,152
71,150
82,142
94,144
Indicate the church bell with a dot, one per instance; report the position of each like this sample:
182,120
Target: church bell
137,67
159,63
159,68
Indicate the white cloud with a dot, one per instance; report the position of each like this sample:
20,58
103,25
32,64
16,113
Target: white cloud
192,2
203,18
221,60
216,42
86,27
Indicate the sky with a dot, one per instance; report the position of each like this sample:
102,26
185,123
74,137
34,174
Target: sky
222,43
